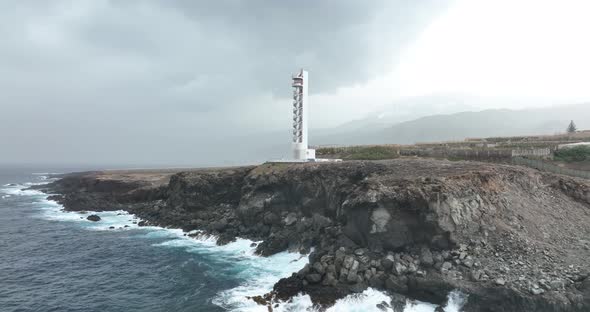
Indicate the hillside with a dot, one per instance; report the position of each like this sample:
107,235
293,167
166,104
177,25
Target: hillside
457,126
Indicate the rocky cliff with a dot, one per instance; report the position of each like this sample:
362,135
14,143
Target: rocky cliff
512,238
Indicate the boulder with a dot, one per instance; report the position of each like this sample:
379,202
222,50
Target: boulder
557,284
331,269
343,275
358,287
399,269
329,280
407,258
348,261
319,221
305,270
290,219
327,259
339,256
219,225
318,268
377,282
359,252
426,257
271,218
397,284
446,266
355,265
352,277
500,281
383,306
398,302
476,275
313,278
93,218
387,263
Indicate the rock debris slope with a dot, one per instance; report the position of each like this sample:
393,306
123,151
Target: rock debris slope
512,238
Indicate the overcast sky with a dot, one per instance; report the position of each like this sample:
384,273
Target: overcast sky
165,82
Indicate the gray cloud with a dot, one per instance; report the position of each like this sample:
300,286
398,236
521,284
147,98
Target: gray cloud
85,78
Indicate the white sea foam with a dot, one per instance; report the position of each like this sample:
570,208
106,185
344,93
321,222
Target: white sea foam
456,301
45,174
110,220
260,276
22,189
366,301
258,273
19,190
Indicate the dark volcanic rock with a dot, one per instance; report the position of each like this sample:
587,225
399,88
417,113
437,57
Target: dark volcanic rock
398,284
513,239
93,218
313,278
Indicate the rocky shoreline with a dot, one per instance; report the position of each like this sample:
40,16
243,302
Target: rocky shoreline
513,239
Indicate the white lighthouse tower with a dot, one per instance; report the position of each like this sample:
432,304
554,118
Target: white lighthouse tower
300,117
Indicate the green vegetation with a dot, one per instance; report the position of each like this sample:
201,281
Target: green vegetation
269,167
374,152
574,154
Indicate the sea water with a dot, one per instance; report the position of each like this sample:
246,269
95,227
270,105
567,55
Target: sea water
52,260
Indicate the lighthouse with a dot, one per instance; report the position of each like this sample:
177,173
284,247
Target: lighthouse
300,84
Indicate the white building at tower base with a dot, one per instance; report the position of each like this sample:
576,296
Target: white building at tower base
300,150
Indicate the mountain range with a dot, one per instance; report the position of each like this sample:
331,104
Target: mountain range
456,126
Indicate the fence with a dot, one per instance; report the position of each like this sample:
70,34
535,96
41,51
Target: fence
544,166
535,152
493,155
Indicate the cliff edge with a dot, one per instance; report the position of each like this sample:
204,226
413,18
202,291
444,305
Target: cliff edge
512,238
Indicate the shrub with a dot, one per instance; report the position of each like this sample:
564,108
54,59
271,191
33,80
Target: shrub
372,153
578,153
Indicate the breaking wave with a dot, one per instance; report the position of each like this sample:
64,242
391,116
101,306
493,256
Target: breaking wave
258,274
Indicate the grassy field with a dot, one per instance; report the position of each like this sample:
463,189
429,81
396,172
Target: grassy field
574,154
369,152
483,149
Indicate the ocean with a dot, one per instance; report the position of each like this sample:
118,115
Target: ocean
51,260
